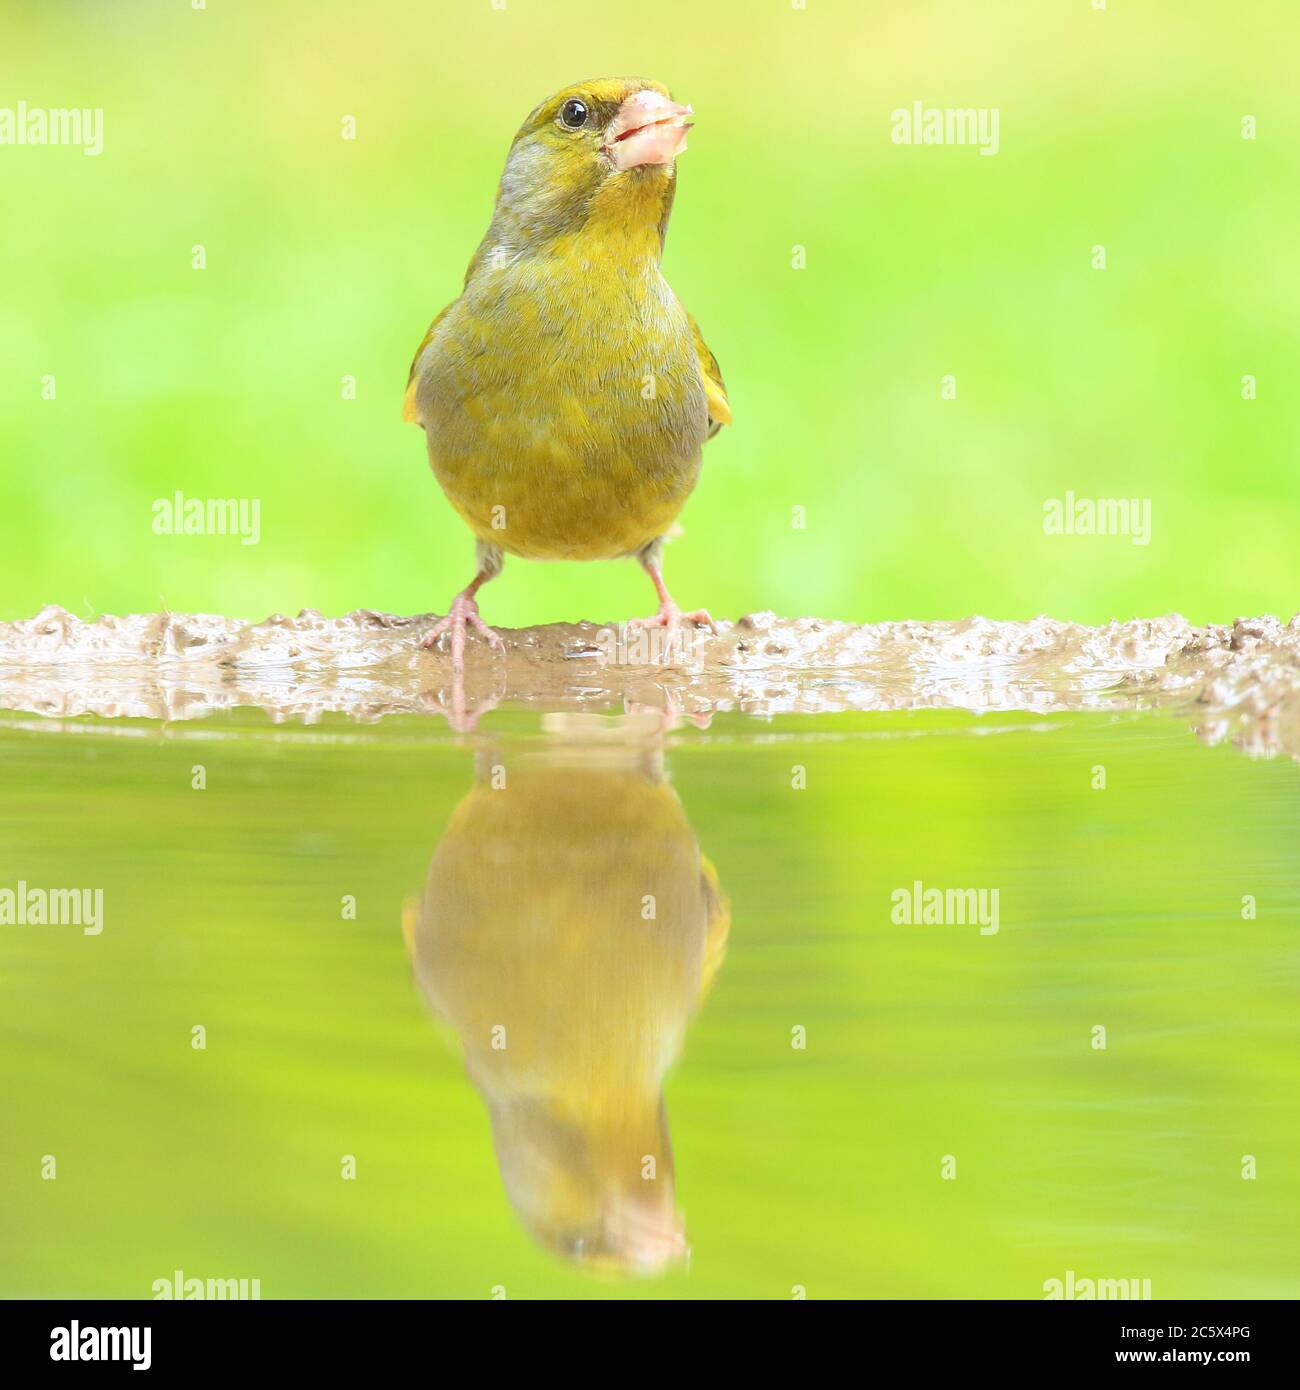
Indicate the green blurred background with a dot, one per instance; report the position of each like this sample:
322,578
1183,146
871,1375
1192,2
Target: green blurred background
328,257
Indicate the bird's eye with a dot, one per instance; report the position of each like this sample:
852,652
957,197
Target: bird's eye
573,114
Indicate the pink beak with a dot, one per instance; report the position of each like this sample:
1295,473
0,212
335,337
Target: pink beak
649,129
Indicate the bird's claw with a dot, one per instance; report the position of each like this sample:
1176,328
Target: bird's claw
463,615
670,618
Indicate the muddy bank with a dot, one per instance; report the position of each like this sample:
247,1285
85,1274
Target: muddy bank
1239,680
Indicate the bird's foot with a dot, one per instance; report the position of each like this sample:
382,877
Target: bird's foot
463,615
453,705
670,618
668,715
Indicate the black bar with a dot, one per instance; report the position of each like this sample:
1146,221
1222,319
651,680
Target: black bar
342,1338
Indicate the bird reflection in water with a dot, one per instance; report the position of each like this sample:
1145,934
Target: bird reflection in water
568,930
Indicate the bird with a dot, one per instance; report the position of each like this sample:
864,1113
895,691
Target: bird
567,976
567,393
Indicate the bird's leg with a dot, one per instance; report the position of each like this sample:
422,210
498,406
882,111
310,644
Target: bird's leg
457,711
464,612
669,616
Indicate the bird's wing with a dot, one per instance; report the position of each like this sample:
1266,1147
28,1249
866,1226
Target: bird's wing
718,925
715,392
410,412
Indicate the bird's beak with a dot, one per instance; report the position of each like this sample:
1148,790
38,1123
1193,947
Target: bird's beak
649,129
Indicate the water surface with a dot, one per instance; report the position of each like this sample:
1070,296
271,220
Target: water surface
595,1011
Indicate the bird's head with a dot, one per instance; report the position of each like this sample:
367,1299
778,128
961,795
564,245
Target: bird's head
600,151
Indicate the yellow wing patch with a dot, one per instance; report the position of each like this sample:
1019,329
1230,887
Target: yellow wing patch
715,392
410,410
718,925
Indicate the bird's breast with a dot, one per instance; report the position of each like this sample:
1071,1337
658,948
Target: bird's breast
564,406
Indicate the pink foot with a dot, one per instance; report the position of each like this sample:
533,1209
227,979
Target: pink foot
459,716
463,614
670,714
670,618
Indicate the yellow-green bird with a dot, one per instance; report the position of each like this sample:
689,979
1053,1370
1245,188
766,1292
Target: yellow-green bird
568,931
567,393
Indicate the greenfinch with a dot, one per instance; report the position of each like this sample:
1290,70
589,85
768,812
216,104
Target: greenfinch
566,395
568,972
